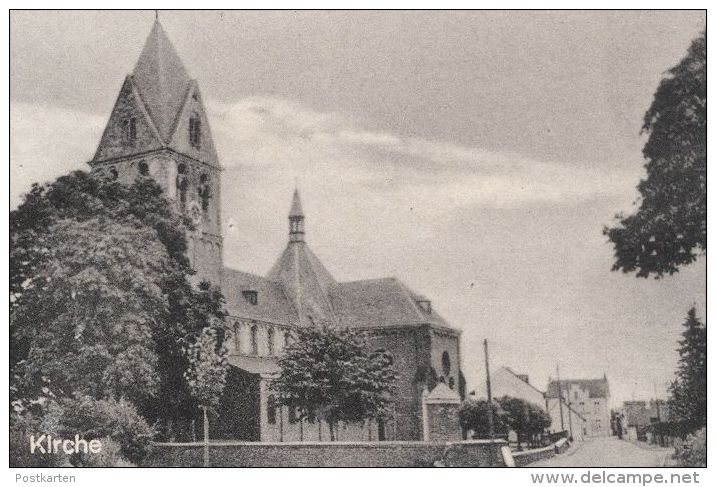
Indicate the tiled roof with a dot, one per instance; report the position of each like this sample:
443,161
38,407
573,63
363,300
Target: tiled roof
299,290
596,387
306,282
162,81
272,305
378,302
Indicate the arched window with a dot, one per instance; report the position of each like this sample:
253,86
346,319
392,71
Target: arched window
237,337
270,337
204,191
271,410
446,364
143,168
113,174
254,340
195,131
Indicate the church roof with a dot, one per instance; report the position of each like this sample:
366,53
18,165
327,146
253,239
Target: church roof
272,305
296,209
595,387
162,81
378,302
306,282
299,290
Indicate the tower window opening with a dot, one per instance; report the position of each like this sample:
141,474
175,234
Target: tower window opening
143,168
195,131
129,131
204,192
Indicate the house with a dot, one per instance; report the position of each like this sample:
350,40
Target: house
589,398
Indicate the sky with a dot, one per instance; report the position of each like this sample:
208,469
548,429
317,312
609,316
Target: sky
475,155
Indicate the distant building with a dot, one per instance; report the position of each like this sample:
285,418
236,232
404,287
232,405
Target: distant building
588,397
505,382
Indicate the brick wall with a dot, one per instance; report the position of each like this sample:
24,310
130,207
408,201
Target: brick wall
359,454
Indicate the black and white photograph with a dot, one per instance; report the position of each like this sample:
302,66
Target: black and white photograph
358,238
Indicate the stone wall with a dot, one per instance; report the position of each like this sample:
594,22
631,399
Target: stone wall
477,453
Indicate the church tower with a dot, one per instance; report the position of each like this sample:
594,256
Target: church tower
158,128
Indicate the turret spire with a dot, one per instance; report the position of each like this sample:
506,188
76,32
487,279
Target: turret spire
296,230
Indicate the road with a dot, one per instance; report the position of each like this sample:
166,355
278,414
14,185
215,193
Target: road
608,452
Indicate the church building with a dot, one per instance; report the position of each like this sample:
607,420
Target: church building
159,128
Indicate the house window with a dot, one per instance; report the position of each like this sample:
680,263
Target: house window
129,131
143,168
195,131
113,174
254,340
271,410
576,395
286,339
251,296
269,338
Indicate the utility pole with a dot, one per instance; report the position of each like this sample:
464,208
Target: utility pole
559,391
656,401
490,420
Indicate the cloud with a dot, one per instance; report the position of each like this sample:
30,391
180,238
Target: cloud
47,142
296,141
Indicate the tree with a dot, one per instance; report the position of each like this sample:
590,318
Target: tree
516,416
328,374
669,229
99,273
207,370
537,422
687,400
474,415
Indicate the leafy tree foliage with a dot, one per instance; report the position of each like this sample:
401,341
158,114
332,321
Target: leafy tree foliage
474,415
687,400
101,303
328,374
527,420
669,229
208,366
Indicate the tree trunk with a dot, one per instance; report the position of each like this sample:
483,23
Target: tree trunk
206,437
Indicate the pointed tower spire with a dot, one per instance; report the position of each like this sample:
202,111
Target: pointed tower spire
296,230
162,80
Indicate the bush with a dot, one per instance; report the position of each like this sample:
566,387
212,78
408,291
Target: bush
692,451
100,419
22,426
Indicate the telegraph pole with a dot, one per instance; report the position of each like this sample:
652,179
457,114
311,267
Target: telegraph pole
559,391
490,420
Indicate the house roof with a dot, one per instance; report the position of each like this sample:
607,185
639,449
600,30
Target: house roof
595,387
162,81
